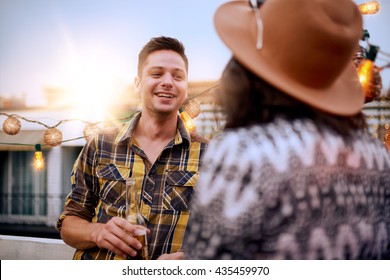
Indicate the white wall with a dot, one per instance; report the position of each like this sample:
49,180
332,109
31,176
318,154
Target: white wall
31,248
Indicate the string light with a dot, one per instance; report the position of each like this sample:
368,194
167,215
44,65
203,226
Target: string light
90,130
369,8
39,162
52,137
193,108
188,121
365,73
11,125
369,75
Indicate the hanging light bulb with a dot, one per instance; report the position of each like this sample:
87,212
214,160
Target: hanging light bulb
188,121
369,8
90,130
11,125
52,137
369,75
39,162
193,108
365,73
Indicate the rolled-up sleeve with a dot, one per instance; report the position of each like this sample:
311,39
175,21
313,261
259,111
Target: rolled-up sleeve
83,197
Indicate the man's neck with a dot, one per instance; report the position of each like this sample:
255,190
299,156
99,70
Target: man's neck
156,128
154,133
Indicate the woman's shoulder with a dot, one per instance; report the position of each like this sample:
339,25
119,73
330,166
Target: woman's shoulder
276,133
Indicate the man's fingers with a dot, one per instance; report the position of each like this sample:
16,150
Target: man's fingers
118,237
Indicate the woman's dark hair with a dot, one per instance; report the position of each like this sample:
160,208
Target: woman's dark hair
158,44
247,99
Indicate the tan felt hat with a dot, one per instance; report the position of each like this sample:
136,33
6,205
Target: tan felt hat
302,47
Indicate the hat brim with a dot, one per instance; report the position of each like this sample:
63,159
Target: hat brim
343,97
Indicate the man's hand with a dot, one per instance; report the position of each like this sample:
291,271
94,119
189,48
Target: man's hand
117,235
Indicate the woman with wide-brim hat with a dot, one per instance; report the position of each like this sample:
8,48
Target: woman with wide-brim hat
295,173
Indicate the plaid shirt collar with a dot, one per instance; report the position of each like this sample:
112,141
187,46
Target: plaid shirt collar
126,133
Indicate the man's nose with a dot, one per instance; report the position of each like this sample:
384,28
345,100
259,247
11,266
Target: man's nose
167,81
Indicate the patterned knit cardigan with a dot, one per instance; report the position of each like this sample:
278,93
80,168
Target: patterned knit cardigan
286,191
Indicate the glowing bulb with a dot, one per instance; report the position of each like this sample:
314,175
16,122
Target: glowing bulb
188,121
39,162
369,75
366,70
370,79
369,8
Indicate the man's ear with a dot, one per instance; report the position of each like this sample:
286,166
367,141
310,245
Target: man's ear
137,82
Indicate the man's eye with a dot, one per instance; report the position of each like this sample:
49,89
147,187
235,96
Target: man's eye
155,74
178,77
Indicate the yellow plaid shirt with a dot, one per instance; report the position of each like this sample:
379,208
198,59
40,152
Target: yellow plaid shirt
166,187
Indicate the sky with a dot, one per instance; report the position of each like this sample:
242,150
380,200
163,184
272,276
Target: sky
76,43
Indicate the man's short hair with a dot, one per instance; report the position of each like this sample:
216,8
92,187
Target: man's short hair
158,44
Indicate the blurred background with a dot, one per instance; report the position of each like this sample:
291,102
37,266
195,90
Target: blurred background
67,69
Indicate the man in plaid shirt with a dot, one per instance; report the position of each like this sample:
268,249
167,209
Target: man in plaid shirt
155,149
